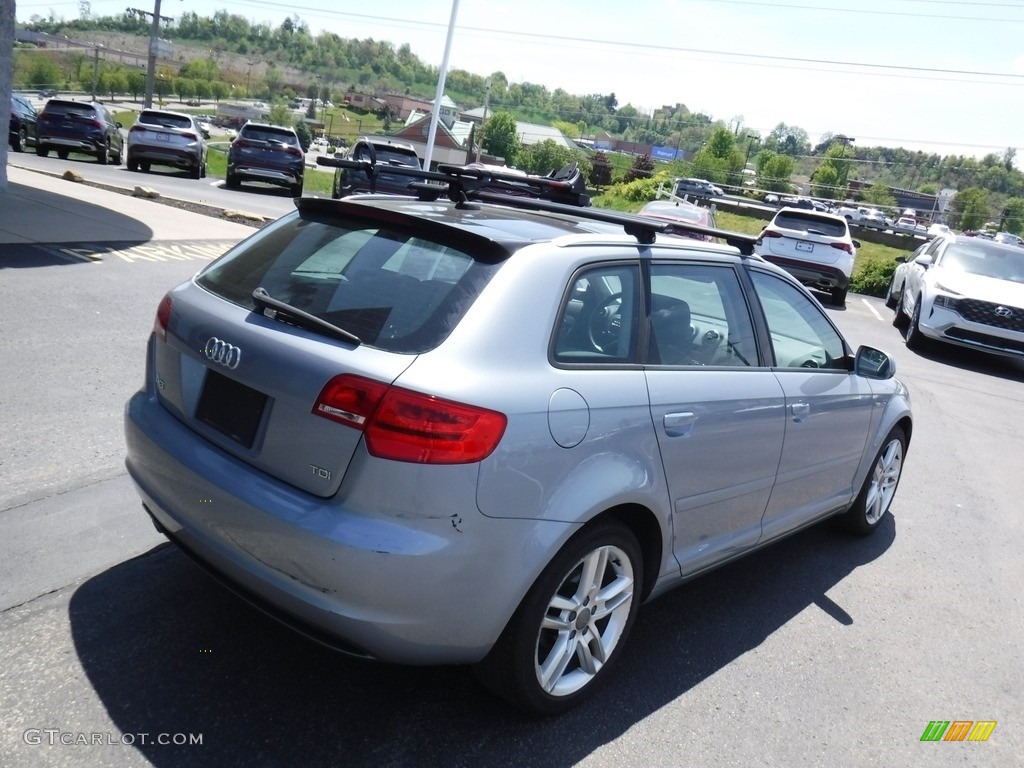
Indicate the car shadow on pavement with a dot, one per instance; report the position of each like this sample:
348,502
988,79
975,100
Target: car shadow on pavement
31,221
955,356
168,650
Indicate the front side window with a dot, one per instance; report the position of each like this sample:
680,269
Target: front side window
801,335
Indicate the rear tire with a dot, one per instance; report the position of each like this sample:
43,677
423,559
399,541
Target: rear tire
145,166
231,181
572,624
197,171
890,299
133,165
104,154
879,486
839,297
19,144
62,154
42,151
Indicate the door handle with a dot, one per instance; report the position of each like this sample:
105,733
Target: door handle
679,424
800,411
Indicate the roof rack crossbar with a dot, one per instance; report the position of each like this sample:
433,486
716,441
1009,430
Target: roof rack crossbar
559,192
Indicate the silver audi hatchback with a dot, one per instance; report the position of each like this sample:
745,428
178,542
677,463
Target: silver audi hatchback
484,432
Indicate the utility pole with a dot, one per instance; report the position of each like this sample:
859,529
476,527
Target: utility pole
95,67
480,140
154,35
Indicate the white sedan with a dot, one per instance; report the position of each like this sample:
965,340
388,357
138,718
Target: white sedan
962,290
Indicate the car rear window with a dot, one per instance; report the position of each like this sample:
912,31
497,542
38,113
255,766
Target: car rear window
268,134
808,222
390,155
165,119
69,108
395,290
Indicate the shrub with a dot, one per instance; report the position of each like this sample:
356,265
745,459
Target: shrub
873,279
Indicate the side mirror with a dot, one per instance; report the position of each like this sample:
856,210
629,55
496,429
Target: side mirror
856,244
872,363
924,260
901,259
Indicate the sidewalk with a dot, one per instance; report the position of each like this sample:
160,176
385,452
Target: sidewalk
38,208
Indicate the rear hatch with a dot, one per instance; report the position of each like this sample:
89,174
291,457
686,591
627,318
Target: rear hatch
251,376
807,236
267,148
69,118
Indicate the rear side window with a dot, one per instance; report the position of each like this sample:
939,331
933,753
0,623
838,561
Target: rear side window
810,223
394,290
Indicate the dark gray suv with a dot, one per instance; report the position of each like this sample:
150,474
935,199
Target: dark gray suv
267,153
79,126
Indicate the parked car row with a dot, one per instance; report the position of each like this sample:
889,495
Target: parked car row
260,152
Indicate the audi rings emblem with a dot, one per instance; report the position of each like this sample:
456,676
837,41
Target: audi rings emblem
219,351
1004,312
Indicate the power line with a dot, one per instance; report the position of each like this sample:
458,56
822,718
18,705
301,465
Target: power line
913,14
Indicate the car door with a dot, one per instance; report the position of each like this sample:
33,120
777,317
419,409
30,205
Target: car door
828,408
718,415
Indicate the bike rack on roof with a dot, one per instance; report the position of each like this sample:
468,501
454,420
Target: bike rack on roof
560,192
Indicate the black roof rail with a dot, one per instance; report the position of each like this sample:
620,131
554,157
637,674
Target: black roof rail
560,192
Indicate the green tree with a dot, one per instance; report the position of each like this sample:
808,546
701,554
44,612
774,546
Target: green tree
302,131
1013,215
501,137
720,159
600,170
43,74
548,156
220,89
833,175
280,115
878,194
774,170
642,168
969,209
136,83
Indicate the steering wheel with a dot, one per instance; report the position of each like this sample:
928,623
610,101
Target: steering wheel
605,325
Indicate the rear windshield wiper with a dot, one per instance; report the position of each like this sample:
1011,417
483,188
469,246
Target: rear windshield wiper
286,313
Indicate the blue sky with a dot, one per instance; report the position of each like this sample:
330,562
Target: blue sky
942,76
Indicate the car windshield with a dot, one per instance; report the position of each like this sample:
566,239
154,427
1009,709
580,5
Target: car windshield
390,155
1001,263
394,290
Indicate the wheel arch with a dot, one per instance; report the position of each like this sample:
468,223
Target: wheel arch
643,524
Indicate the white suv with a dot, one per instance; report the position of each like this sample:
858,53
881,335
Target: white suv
816,248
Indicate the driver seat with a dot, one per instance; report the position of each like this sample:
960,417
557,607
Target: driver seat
671,332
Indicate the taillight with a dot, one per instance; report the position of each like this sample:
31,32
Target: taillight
190,136
403,425
99,124
844,247
294,151
163,317
771,233
136,128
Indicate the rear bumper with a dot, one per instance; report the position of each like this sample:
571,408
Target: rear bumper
375,571
178,158
810,273
71,144
281,176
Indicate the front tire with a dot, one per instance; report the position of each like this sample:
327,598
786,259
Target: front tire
879,487
572,624
104,154
915,339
